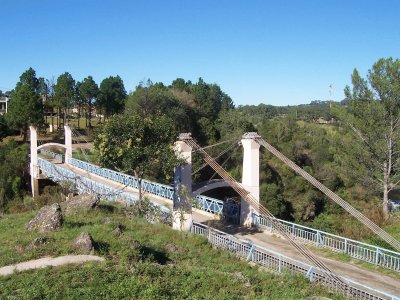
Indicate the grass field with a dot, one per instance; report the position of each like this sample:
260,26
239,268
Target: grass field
194,270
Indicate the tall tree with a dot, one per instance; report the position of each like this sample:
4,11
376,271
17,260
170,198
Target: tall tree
138,146
26,107
64,92
112,96
89,91
373,115
79,101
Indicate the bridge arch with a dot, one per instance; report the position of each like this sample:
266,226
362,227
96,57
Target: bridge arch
52,145
205,186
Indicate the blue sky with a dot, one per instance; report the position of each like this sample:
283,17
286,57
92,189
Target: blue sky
273,52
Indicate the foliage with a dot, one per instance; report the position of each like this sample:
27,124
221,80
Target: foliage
89,92
13,168
64,91
373,118
138,146
4,129
25,107
112,96
138,264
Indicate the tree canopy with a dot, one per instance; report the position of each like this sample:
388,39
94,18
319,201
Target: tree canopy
138,146
112,96
26,107
373,115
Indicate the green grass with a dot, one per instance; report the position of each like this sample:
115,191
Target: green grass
196,271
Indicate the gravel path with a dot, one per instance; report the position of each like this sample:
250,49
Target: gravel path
47,262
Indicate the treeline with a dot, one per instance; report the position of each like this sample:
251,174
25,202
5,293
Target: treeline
355,152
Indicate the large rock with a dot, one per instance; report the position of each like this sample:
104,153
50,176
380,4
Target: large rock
48,218
84,201
84,243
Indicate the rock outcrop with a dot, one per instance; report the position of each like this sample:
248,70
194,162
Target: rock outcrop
48,218
84,243
81,202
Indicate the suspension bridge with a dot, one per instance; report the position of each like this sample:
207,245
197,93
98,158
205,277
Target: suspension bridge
255,238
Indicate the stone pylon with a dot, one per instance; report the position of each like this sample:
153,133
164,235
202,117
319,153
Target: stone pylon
250,175
68,143
33,166
182,210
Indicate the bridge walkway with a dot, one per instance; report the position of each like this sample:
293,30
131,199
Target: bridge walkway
377,280
198,215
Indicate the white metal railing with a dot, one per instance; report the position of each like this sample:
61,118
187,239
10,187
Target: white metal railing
205,203
280,263
369,253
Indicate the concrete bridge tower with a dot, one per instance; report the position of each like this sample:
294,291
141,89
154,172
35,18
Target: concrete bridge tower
33,166
182,210
250,175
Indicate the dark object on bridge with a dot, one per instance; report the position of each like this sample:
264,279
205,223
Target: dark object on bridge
49,218
172,248
84,202
84,243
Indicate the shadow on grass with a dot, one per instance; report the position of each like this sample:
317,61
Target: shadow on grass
232,228
106,208
154,255
101,247
72,224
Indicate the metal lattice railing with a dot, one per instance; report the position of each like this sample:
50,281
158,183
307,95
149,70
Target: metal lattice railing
205,203
81,183
280,263
369,253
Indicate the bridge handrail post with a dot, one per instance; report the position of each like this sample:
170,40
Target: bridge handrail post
310,273
250,254
378,252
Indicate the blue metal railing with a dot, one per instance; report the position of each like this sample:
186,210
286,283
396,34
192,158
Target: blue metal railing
280,263
205,203
369,253
52,154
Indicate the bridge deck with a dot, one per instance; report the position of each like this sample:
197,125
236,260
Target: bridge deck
360,274
363,275
198,215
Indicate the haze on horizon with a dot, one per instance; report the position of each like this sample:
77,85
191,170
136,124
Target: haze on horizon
279,53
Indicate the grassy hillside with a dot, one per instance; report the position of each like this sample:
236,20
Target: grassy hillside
192,270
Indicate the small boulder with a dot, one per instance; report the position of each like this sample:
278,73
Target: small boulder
39,241
240,276
136,245
107,220
172,248
48,218
84,201
84,243
118,230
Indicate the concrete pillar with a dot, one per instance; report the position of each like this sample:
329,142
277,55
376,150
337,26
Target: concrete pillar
182,208
250,176
33,166
68,143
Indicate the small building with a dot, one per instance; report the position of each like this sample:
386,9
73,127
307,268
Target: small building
4,99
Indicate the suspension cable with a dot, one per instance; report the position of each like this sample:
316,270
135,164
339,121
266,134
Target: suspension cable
218,156
262,210
217,144
354,212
